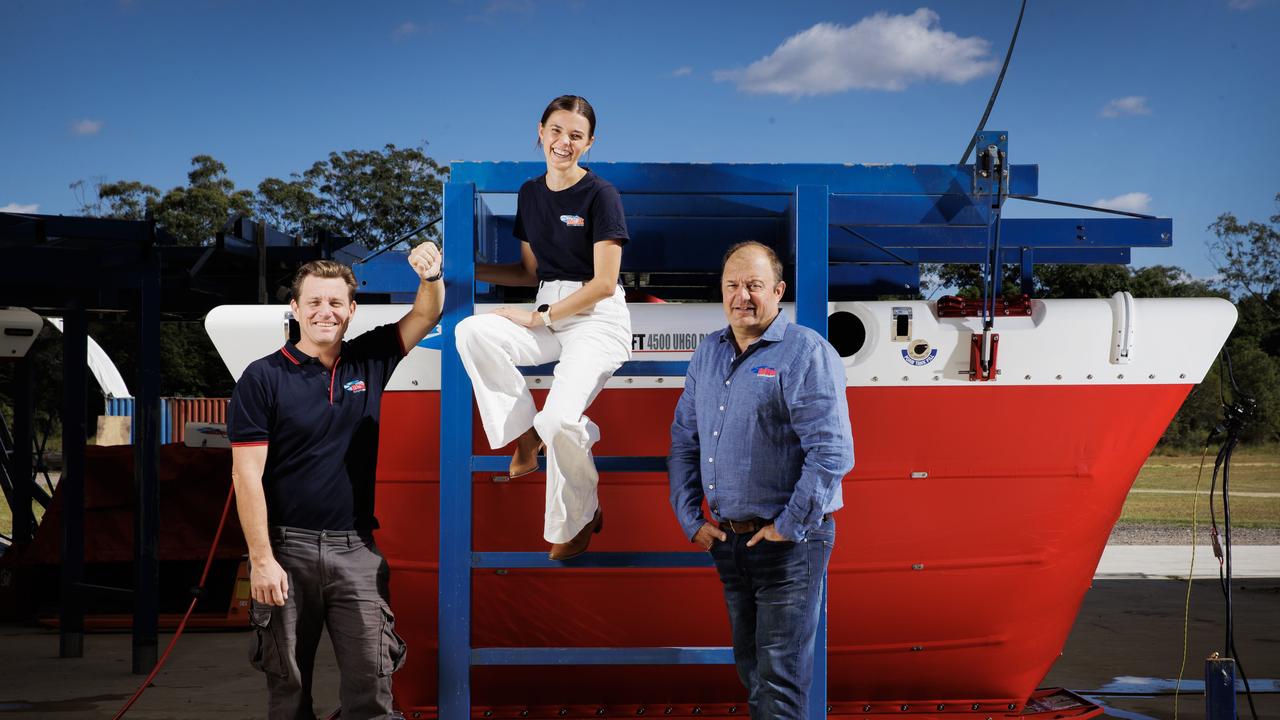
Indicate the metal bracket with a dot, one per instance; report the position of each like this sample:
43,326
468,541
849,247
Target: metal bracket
983,350
991,164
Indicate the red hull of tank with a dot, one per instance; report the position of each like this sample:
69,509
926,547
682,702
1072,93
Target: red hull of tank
958,587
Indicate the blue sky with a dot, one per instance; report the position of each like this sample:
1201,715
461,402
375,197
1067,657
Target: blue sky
1166,107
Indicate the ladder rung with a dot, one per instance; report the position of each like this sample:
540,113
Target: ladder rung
593,560
631,368
616,463
603,656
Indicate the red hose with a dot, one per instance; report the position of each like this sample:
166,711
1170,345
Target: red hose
226,510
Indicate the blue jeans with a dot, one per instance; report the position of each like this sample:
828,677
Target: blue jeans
773,592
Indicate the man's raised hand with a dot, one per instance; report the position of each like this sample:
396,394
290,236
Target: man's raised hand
426,260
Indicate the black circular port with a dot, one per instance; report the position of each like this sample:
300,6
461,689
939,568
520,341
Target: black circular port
846,332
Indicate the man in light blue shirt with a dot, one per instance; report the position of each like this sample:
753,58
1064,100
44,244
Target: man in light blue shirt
762,433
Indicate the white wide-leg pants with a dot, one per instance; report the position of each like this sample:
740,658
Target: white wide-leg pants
590,346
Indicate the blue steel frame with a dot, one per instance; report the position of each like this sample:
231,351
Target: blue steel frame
833,214
883,221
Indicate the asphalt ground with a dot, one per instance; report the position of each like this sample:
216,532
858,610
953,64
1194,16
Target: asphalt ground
1124,651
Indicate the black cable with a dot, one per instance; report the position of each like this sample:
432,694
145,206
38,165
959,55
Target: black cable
1231,372
1226,551
996,91
1213,517
1226,523
1237,415
392,243
995,275
1248,692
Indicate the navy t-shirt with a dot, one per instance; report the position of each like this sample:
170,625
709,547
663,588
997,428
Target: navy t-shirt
320,429
563,226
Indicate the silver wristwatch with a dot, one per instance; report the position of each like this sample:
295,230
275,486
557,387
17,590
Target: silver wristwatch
544,311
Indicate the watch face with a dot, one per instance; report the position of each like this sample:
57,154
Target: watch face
543,307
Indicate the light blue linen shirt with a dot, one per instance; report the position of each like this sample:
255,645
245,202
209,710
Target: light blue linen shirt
762,434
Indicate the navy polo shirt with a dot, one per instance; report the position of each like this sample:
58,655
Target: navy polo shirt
320,429
563,226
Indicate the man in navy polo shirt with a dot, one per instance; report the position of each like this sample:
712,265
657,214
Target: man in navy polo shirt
762,433
303,423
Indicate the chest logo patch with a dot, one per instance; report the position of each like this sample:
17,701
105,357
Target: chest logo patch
572,220
356,386
764,371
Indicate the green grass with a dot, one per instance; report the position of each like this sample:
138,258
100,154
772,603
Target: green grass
1256,471
1248,474
6,518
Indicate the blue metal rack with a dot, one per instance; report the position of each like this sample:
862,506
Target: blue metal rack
832,224
461,229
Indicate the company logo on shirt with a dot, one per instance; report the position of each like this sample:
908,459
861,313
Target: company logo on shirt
355,386
572,220
764,371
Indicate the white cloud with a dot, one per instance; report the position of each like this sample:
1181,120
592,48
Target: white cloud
405,29
1134,202
879,52
1128,105
682,71
22,209
86,127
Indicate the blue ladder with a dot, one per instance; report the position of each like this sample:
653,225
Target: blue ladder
809,230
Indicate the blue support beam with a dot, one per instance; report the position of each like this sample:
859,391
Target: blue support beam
1010,255
875,209
752,178
810,232
603,656
707,206
455,452
499,464
509,560
1219,688
1071,233
1027,270
876,279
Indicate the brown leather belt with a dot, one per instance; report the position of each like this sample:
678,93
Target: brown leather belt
750,526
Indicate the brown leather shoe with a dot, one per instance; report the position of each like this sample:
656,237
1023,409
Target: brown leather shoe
525,458
579,543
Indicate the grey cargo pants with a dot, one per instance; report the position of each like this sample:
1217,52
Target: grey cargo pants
337,580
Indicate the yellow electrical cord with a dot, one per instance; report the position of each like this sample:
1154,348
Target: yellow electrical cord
1186,610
